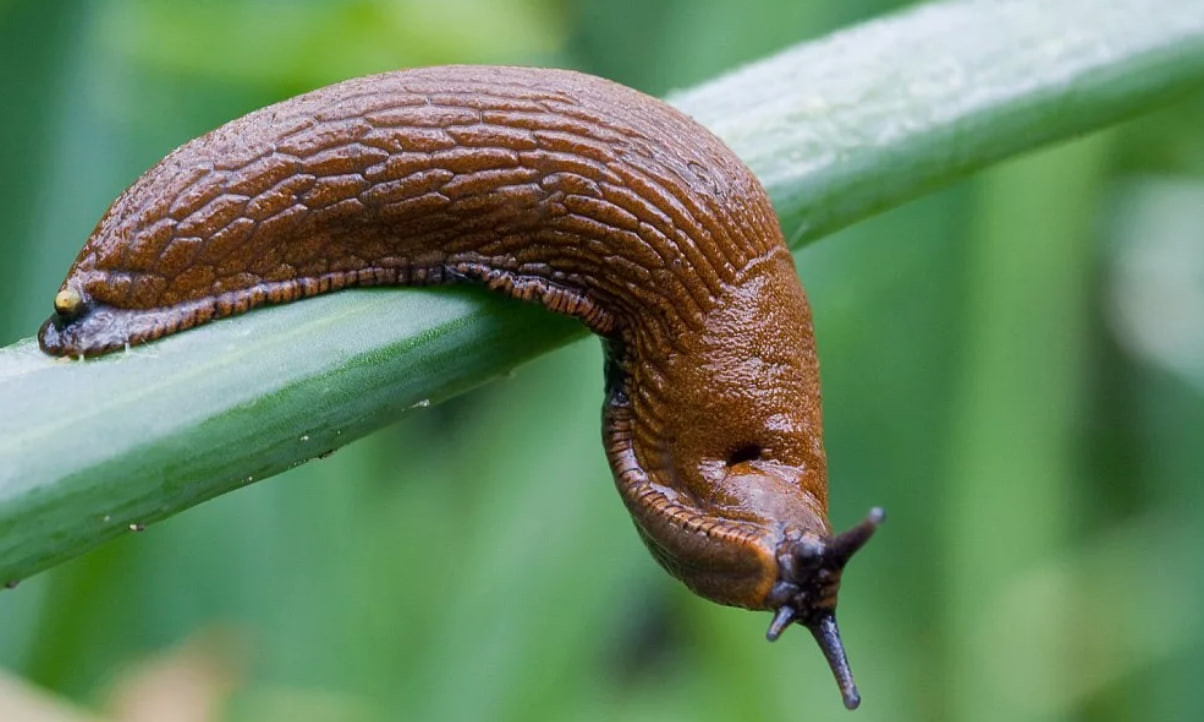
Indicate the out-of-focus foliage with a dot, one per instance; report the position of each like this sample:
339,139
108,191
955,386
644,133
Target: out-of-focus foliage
1012,366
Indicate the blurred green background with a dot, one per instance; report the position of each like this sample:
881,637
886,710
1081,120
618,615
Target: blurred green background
1013,367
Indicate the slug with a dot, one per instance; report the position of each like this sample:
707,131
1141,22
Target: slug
550,186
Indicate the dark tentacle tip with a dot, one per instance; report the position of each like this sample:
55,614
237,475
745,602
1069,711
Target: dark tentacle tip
844,545
809,573
781,619
827,636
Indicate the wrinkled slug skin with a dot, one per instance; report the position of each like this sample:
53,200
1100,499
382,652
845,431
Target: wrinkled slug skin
551,186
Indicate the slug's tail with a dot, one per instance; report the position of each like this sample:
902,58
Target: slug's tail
807,595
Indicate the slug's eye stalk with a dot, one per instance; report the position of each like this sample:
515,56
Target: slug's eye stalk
809,580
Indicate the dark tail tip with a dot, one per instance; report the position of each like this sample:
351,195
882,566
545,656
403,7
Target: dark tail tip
827,635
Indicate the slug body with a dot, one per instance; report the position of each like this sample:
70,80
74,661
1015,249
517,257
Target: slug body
551,186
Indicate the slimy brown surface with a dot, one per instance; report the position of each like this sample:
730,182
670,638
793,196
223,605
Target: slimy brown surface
554,187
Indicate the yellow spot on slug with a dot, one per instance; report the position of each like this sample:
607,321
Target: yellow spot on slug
68,302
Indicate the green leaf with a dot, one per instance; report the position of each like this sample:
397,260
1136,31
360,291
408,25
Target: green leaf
837,129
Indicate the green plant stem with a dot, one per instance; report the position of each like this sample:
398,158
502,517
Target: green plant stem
837,130
862,120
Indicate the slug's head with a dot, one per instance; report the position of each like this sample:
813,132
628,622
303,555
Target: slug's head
809,571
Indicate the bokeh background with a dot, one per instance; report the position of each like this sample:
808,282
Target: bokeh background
1013,367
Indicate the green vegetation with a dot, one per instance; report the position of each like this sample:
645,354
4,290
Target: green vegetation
1003,369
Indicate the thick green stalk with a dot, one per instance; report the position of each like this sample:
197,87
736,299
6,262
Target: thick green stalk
837,129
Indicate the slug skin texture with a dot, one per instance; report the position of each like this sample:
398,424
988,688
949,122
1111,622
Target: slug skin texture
551,186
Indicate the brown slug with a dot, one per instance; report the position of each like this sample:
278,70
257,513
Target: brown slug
551,186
